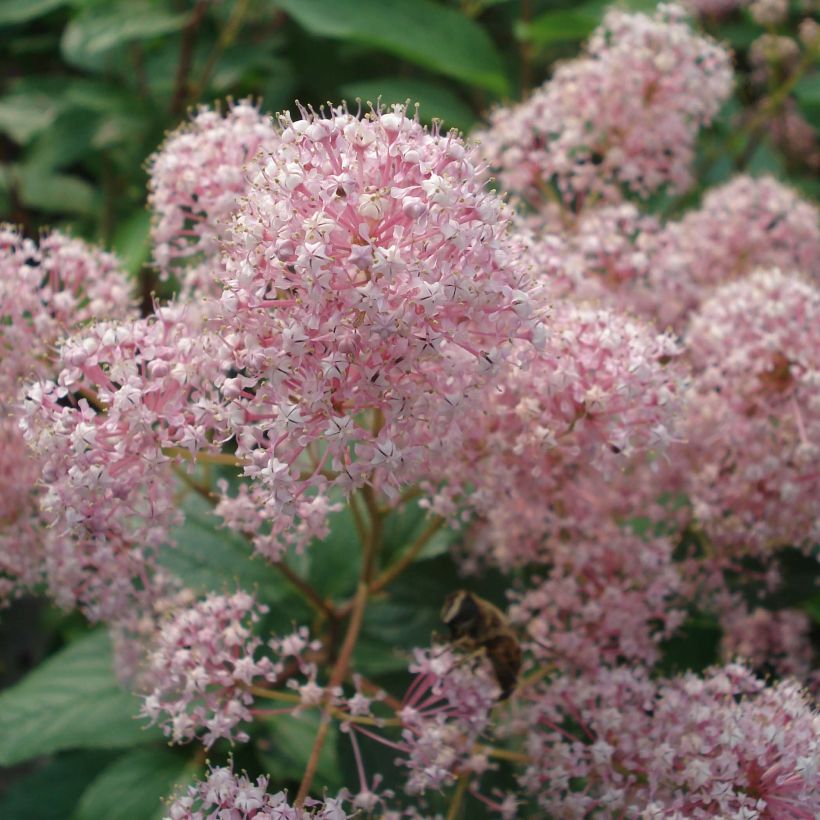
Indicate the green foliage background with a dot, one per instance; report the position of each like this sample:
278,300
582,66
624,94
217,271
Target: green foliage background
89,89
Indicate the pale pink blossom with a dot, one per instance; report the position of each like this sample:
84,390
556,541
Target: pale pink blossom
21,556
623,115
204,661
372,290
197,180
724,745
779,641
742,225
129,396
226,795
46,290
443,713
605,600
559,425
753,417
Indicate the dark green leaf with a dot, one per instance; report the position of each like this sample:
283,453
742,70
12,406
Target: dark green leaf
20,11
131,240
558,26
99,29
287,747
22,116
72,701
693,648
435,101
50,791
56,193
334,562
425,33
209,558
134,786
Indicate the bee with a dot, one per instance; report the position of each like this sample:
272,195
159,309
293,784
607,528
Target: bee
478,625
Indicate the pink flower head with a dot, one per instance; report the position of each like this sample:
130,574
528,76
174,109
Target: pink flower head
226,795
742,225
372,288
201,669
606,600
624,115
560,422
605,257
46,291
720,746
753,420
125,392
767,640
445,710
197,179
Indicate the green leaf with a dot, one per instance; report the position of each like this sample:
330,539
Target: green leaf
72,701
334,562
50,791
435,101
558,26
693,648
812,608
420,31
807,92
90,36
20,11
22,116
210,558
807,89
56,193
134,786
131,240
287,747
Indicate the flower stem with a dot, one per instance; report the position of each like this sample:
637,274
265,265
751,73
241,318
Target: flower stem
337,675
458,797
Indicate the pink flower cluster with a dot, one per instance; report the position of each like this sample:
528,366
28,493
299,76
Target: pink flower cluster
197,180
624,115
606,600
745,224
125,392
226,795
558,426
443,713
766,640
605,256
203,665
724,745
371,291
47,290
753,419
